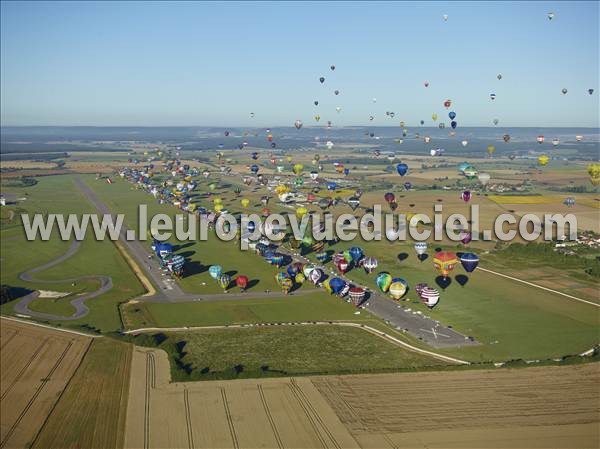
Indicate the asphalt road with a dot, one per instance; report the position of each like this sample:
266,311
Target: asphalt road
22,307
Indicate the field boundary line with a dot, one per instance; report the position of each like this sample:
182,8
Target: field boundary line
539,286
33,323
366,328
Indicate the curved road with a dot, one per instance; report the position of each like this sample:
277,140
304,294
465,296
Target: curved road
22,307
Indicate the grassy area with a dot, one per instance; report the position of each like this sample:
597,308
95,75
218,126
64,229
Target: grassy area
319,306
57,194
510,319
279,351
91,411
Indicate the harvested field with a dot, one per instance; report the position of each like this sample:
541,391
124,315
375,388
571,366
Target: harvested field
528,407
271,413
94,403
36,365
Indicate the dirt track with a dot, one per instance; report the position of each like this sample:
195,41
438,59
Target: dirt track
36,365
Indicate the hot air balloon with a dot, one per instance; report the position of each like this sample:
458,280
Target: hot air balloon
298,124
356,254
336,285
245,202
469,261
316,103
254,168
578,138
331,186
464,143
224,281
444,262
420,248
428,295
329,144
407,185
491,149
369,264
593,170
492,97
506,138
447,103
241,282
540,139
496,121
383,281
426,83
215,271
389,197
453,124
315,275
332,67
466,196
324,203
397,288
301,212
465,237
590,91
353,202
564,91
336,92
569,201
452,115
402,169
357,295
342,265
445,17
499,76
322,80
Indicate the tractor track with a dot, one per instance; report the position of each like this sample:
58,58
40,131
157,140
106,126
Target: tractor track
269,416
188,418
24,369
39,389
234,438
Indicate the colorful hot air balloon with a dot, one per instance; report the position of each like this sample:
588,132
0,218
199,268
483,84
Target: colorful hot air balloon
224,281
353,202
540,139
316,275
402,169
543,160
593,170
444,262
397,289
245,202
215,271
428,295
383,281
357,295
322,80
466,196
389,197
447,103
452,115
491,149
369,264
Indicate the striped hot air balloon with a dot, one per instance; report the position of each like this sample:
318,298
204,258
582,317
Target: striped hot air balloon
357,295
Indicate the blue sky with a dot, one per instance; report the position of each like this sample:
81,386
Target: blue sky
151,64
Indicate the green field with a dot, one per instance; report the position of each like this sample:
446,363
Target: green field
58,194
91,411
286,351
319,306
